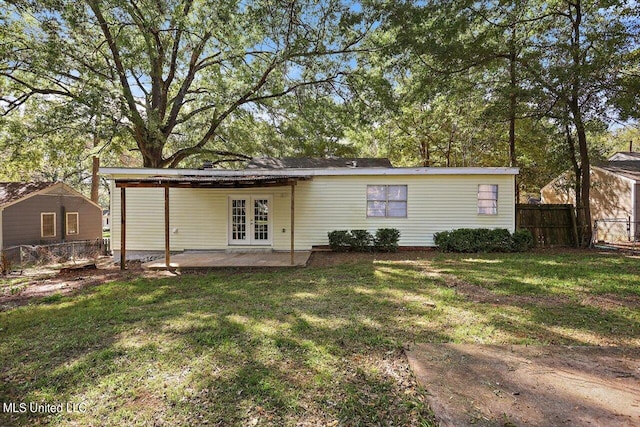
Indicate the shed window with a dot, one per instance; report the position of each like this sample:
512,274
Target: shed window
48,224
487,199
72,223
387,201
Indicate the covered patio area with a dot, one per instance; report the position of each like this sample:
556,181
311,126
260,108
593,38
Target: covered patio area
221,259
258,217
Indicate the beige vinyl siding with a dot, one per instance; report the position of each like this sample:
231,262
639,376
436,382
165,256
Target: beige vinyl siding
611,195
323,204
198,218
434,203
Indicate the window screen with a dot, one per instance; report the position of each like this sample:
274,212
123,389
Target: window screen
387,201
72,223
487,199
48,224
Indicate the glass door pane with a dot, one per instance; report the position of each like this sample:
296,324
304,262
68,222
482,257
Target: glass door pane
239,220
260,220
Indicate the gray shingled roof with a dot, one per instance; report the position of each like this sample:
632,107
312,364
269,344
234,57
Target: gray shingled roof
625,155
13,191
316,163
627,168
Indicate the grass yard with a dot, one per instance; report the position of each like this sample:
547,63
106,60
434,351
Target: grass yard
314,346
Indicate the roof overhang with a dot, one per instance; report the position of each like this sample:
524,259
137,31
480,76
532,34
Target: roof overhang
209,181
131,173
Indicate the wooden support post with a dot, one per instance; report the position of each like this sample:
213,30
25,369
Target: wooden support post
293,222
123,228
167,245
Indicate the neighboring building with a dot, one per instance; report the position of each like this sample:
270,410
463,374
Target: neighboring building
33,213
251,209
615,195
106,220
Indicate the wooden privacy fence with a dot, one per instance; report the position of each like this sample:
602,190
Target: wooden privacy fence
550,224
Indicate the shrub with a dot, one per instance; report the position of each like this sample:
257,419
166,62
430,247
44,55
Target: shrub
522,240
443,240
340,240
361,240
386,239
483,240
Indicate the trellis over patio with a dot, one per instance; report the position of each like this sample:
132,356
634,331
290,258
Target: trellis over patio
227,182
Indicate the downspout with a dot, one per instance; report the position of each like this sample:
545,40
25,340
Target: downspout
63,220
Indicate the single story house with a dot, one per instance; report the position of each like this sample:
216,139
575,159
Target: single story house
291,204
615,195
33,213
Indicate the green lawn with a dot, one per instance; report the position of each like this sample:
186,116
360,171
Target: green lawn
321,345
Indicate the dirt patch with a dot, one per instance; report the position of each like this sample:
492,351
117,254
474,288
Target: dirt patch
39,282
529,385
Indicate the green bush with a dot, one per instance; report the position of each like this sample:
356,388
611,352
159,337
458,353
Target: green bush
470,240
361,240
340,240
386,239
522,240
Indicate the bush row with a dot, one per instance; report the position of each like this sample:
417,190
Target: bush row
483,240
385,240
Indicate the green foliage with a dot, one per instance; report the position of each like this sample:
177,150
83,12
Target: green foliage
470,240
522,240
340,240
386,239
185,75
361,241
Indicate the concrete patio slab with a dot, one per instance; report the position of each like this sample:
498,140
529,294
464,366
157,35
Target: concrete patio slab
513,385
231,259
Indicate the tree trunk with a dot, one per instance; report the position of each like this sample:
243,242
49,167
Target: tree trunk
424,153
574,106
95,179
513,161
585,183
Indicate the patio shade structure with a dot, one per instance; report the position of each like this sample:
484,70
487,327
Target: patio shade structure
243,181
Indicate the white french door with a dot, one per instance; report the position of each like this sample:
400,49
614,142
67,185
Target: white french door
250,220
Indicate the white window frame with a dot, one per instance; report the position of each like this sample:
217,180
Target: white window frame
77,223
387,200
42,215
482,207
250,218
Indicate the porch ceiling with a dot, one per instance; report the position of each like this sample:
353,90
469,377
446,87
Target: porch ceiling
210,181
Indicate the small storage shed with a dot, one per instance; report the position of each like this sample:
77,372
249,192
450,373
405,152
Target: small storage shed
33,213
615,196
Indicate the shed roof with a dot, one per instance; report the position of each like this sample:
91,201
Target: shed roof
11,192
243,181
626,168
625,155
317,163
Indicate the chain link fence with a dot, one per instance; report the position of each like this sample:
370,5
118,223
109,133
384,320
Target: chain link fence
19,257
616,230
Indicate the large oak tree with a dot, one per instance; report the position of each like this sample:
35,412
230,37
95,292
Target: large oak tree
179,71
